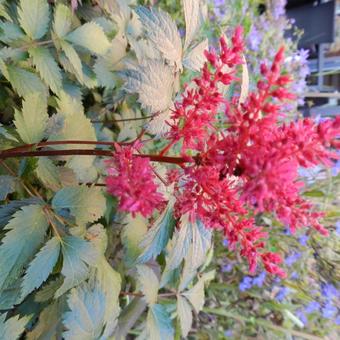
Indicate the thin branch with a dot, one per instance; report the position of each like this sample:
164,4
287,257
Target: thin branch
89,152
121,120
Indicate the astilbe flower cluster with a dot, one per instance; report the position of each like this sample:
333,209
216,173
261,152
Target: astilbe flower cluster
233,173
132,180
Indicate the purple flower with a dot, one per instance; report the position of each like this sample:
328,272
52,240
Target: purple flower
302,316
228,333
294,276
329,310
312,307
329,291
283,292
279,8
259,280
337,230
337,320
303,240
227,268
336,169
225,242
254,39
291,259
246,283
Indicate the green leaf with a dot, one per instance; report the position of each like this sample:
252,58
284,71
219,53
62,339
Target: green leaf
85,320
47,66
47,172
314,193
162,32
196,295
195,59
12,328
133,233
153,82
90,36
78,255
193,20
7,210
41,267
10,32
25,82
104,75
32,121
26,232
62,20
184,314
85,204
7,186
159,325
34,17
149,283
293,318
74,60
158,236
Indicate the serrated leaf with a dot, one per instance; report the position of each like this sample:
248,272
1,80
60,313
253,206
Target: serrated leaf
47,291
10,33
47,66
25,233
85,204
132,235
149,283
74,60
195,59
25,82
7,210
78,255
182,239
158,324
49,323
104,75
184,314
48,173
196,295
158,236
85,320
7,186
162,32
34,17
193,20
90,36
32,121
12,328
153,82
41,266
62,20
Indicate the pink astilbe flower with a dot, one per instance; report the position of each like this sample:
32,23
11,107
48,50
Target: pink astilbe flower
132,180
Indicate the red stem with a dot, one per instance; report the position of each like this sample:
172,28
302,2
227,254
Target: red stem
40,153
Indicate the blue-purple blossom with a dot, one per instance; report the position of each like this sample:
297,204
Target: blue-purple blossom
336,168
312,307
302,316
278,9
254,38
303,240
337,226
228,333
225,242
283,292
337,320
329,310
329,291
227,268
259,280
246,283
294,276
291,259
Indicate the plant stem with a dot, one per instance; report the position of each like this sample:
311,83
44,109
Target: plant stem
10,153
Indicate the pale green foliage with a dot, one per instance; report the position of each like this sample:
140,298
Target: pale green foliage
13,327
34,17
25,233
153,81
194,59
41,266
159,324
7,186
90,36
184,314
162,32
48,173
78,255
149,283
47,67
32,121
62,20
85,204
